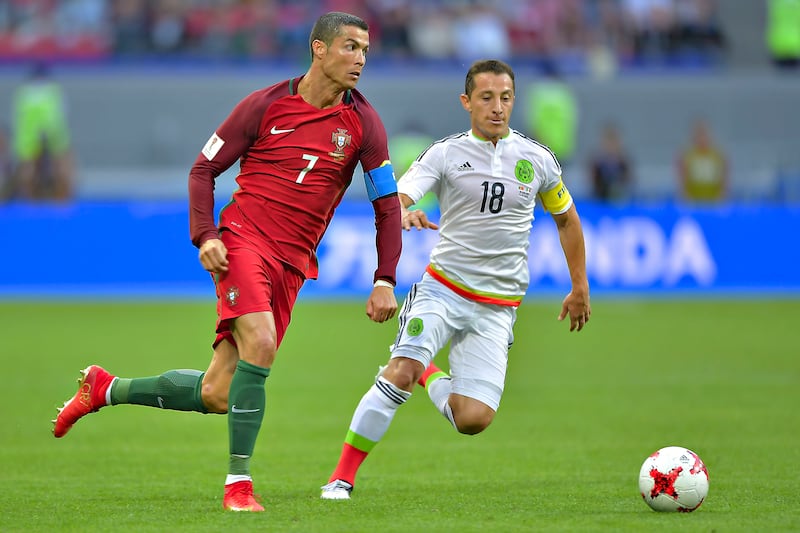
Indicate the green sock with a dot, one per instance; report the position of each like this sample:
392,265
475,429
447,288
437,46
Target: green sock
246,401
178,390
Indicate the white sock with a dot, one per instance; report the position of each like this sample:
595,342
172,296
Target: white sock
236,478
108,391
439,392
376,409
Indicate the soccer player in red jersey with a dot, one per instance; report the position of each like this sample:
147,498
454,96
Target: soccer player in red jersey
298,143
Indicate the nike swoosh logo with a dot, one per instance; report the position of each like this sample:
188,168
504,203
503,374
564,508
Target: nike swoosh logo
160,401
234,409
276,131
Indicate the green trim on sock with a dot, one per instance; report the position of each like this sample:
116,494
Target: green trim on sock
119,390
200,407
239,465
358,442
253,369
436,375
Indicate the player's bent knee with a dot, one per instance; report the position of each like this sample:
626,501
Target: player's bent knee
471,416
259,352
473,427
403,372
213,400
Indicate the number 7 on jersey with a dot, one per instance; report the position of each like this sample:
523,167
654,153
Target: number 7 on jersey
312,160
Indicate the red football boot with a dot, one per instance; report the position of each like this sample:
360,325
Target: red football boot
239,497
91,396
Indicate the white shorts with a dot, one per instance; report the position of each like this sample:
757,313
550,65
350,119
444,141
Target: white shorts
479,334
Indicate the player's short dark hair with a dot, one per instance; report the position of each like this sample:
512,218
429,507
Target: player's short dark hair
495,66
329,25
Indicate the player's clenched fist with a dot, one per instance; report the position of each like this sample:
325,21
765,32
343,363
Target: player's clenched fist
213,256
381,305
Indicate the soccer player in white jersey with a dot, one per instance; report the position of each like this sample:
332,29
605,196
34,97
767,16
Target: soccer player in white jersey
487,180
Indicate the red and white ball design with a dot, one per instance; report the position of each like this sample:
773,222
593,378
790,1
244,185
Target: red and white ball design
673,479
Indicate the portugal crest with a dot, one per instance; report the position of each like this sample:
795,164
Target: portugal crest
232,296
340,139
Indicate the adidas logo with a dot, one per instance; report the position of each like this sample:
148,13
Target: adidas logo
464,166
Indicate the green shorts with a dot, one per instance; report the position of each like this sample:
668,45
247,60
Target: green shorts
34,137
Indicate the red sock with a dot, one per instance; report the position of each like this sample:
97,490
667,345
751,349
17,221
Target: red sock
349,462
428,371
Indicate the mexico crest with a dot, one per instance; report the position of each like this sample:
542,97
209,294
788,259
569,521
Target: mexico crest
524,171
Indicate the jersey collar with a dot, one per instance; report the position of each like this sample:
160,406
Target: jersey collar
478,138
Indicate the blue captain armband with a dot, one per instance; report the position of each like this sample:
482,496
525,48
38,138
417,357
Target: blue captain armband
380,181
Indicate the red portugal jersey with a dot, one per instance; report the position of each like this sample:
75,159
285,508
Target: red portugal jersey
296,161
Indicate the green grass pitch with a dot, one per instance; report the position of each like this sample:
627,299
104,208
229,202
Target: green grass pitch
580,414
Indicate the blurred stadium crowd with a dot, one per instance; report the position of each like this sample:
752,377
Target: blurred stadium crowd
620,137
631,31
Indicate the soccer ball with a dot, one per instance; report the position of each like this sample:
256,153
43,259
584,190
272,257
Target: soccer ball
673,479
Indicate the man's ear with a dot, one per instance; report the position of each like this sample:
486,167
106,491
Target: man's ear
465,103
319,48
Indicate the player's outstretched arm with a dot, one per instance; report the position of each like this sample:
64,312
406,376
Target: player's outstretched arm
576,304
382,305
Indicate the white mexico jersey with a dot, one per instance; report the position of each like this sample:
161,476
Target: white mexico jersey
486,196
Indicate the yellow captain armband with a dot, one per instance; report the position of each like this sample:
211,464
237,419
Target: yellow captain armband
557,199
